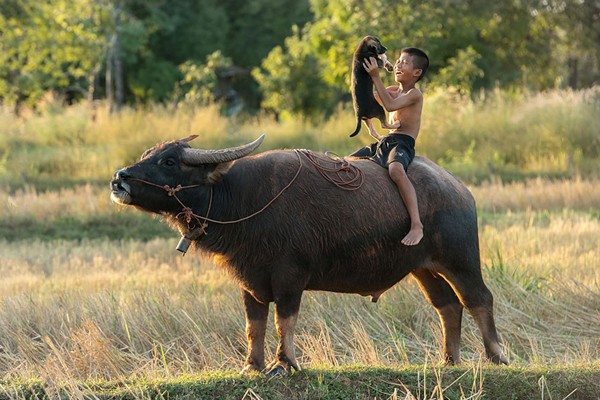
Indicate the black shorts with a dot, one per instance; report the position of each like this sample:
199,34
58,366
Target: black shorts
394,147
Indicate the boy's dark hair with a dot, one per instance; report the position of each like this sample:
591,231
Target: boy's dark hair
420,59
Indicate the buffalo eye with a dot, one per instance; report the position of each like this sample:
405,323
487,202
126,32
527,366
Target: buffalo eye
169,162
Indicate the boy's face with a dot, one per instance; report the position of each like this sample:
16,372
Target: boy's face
404,69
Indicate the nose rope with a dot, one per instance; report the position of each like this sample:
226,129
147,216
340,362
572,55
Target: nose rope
188,213
351,179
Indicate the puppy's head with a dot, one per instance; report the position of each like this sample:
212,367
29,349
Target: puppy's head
371,46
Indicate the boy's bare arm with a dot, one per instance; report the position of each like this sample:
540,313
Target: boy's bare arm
390,103
392,90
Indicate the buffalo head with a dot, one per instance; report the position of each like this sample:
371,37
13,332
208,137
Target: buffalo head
168,165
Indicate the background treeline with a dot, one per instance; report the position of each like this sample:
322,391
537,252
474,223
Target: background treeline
288,56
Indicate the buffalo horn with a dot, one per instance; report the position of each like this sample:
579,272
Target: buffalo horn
188,139
200,156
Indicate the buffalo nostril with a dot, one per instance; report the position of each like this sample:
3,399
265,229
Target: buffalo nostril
122,174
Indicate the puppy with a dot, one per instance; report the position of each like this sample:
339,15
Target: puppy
365,105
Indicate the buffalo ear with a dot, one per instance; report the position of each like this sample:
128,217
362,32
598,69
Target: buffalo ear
219,172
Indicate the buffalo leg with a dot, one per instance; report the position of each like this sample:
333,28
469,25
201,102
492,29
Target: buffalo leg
442,297
478,300
286,315
256,325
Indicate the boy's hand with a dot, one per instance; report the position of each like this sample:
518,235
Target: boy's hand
370,65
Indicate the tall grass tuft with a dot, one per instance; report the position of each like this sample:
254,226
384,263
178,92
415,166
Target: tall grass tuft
500,134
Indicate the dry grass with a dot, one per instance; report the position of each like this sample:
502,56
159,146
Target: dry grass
538,194
500,134
532,195
106,309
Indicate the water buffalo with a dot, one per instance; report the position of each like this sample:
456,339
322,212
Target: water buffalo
279,228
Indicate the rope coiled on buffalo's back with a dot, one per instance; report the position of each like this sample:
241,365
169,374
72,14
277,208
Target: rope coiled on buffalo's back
336,169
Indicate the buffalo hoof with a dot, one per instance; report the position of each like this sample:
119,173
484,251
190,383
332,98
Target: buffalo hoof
499,359
280,369
251,369
450,361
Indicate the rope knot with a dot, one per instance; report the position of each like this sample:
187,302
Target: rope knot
187,213
171,191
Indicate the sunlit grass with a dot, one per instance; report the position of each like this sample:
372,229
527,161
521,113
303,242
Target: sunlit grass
91,291
499,134
87,200
538,195
106,309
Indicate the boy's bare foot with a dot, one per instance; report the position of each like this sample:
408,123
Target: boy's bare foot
413,237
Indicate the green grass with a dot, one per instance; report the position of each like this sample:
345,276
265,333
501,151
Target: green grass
143,227
346,383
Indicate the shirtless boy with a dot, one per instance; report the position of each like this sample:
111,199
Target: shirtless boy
396,150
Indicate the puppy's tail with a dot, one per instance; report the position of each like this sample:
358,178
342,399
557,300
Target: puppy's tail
358,124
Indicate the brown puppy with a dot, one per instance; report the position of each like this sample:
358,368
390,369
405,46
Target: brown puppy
365,105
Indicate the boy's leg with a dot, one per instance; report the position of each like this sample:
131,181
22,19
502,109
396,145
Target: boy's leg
409,196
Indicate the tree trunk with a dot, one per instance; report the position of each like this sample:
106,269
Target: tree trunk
117,57
573,75
92,90
110,96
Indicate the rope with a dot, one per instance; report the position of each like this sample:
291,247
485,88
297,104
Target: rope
188,213
262,209
336,170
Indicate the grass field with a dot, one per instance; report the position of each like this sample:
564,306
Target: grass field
507,135
95,302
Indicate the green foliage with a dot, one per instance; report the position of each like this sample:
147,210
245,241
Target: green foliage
290,79
258,26
63,45
472,45
50,45
461,72
170,35
200,82
153,79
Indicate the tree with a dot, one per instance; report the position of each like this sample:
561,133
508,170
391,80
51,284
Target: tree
257,26
510,39
47,45
291,80
460,72
200,82
174,32
577,34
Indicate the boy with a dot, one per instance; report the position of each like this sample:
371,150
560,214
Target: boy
397,150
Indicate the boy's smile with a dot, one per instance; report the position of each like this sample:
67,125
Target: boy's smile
404,67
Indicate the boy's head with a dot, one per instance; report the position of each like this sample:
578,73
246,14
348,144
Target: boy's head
419,58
